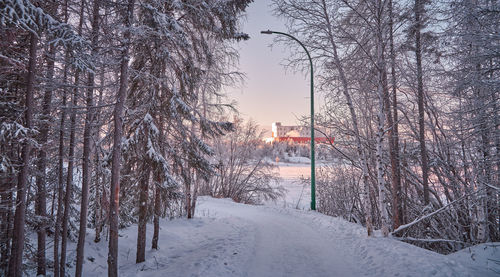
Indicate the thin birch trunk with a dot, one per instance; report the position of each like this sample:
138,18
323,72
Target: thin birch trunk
397,210
485,169
496,195
365,195
383,97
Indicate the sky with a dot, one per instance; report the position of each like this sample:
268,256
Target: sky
270,93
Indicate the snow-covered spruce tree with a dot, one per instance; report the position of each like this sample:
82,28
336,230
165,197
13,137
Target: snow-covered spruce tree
244,173
172,49
42,159
22,20
13,132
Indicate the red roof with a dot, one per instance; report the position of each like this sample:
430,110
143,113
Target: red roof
304,139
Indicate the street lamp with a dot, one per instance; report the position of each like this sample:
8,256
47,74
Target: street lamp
313,175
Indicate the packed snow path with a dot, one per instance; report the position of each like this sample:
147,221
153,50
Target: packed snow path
231,239
287,242
280,245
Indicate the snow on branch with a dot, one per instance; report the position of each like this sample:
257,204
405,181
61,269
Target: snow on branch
406,226
429,240
25,15
493,187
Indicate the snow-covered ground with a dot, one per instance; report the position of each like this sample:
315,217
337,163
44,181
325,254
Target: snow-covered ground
298,193
231,239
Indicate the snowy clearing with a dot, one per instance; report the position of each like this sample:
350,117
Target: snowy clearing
232,239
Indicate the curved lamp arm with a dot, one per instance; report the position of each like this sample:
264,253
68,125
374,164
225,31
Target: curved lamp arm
313,171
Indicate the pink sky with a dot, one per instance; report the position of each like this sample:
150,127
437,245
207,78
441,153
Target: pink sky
270,93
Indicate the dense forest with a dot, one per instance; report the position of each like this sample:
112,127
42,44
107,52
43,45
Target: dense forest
112,114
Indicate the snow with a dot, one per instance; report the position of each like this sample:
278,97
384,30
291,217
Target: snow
484,258
296,160
298,193
232,239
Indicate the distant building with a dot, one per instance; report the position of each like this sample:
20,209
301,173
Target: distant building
297,134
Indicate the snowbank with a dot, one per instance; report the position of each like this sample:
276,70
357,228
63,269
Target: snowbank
483,259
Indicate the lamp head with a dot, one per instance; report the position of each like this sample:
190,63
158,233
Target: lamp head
268,32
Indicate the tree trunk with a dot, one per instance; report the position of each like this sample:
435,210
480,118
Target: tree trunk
383,96
117,138
485,220
60,183
365,195
187,188
392,120
420,100
7,183
69,176
71,159
496,195
143,211
157,212
99,196
87,145
195,195
41,204
16,258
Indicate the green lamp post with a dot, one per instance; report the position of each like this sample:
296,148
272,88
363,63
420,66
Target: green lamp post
313,171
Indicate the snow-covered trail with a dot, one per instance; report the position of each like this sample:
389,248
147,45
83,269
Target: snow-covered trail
232,239
289,242
284,245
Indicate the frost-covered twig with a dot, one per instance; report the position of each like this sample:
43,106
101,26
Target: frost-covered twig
406,226
493,187
430,240
330,142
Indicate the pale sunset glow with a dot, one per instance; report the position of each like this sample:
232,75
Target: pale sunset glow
270,92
